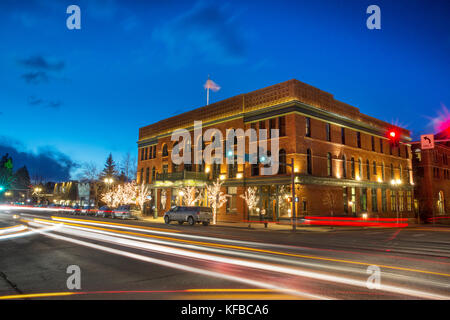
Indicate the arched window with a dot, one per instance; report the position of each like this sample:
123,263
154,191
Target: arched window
153,174
368,169
165,152
344,166
309,161
282,162
352,162
329,165
440,203
374,168
360,172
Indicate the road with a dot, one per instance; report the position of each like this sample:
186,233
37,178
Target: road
126,259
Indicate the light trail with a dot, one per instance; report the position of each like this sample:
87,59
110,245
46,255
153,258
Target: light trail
182,267
249,264
263,250
70,293
12,229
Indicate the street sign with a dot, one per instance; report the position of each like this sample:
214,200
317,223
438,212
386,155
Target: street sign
427,141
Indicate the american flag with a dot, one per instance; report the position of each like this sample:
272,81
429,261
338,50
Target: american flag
211,85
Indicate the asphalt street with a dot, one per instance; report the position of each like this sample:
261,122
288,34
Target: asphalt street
127,259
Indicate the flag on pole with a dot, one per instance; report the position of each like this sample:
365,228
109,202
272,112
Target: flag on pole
210,85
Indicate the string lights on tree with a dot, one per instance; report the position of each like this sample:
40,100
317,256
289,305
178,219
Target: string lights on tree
216,197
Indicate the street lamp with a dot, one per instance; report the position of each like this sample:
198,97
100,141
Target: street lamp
108,182
37,191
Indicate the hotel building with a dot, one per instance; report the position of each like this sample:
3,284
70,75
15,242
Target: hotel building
343,161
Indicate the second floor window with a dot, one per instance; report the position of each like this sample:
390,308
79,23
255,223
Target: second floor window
282,160
358,139
328,132
343,135
309,161
352,163
308,127
329,165
282,126
165,152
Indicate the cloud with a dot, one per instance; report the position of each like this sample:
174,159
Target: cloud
35,77
35,101
39,62
206,33
48,162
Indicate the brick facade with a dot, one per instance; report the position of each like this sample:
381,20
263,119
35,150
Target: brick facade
432,178
325,190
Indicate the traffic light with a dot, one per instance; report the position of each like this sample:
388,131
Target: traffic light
394,137
2,188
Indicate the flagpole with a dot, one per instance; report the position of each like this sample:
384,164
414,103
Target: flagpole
207,96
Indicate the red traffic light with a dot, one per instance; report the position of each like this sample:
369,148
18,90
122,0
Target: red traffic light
393,136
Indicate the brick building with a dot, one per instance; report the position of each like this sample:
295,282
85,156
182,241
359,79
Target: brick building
344,164
432,178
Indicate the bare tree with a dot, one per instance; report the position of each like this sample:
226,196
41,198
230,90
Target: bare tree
330,200
128,165
89,171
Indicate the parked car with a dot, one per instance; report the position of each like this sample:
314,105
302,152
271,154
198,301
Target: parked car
75,209
190,214
126,211
88,210
104,212
64,208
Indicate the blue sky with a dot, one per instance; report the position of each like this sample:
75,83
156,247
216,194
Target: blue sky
84,93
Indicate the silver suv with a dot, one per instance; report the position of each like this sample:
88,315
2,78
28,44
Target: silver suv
189,214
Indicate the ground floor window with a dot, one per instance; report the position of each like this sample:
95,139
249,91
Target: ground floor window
383,200
345,198
231,200
393,201
409,200
401,201
363,199
374,200
353,201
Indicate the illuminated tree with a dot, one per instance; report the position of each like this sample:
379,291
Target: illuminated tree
216,197
191,195
120,194
250,197
143,194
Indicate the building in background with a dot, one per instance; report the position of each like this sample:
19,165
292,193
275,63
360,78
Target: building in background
432,178
345,163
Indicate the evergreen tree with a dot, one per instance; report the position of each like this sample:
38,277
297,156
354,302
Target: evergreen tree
22,178
110,170
6,172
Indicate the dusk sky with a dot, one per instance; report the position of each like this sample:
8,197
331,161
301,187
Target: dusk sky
77,95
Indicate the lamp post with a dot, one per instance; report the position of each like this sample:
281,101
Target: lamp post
108,182
37,191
